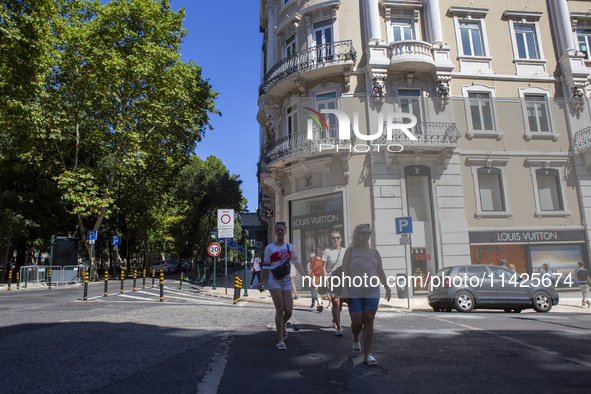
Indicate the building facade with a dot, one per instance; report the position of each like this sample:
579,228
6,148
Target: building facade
472,118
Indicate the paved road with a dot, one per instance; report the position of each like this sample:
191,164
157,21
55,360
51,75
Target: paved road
51,341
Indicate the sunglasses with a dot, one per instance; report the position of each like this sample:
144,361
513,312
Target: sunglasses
336,237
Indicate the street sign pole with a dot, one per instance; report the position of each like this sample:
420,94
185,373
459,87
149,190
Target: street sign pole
226,264
407,266
245,266
214,273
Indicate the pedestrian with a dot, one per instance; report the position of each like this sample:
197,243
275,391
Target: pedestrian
511,267
332,259
277,254
365,263
316,272
584,280
503,262
255,265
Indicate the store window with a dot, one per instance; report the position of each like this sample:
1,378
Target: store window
312,221
561,259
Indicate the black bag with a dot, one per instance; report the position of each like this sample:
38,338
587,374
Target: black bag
283,269
337,289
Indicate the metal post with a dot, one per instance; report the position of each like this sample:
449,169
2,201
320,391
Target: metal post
134,278
49,278
106,281
161,286
85,297
122,279
26,277
237,285
181,282
18,282
214,272
245,266
406,266
153,276
144,280
9,280
226,266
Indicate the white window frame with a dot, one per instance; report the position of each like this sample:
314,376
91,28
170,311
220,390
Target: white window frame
291,118
412,14
287,45
527,66
334,127
471,64
587,39
499,163
536,91
495,132
554,164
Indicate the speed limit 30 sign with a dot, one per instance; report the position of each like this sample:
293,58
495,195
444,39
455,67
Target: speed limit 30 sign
214,249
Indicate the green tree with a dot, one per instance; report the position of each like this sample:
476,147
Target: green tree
120,102
203,187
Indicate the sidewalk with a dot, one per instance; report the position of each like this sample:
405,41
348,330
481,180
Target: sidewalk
569,301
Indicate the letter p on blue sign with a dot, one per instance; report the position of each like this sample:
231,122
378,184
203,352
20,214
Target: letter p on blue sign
404,225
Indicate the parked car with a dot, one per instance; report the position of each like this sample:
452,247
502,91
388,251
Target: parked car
185,265
469,287
173,266
159,265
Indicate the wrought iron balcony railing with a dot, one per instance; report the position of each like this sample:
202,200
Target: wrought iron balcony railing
426,133
583,139
324,55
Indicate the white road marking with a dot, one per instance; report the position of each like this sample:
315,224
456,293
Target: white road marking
215,370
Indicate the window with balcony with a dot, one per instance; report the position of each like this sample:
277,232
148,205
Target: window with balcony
402,29
584,40
291,117
290,46
323,36
328,100
409,102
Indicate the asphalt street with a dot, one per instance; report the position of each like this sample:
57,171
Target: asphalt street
199,341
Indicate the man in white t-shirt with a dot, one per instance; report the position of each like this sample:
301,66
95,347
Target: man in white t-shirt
332,259
255,265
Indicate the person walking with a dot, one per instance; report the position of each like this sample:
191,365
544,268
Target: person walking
584,280
276,254
365,263
316,272
255,265
332,259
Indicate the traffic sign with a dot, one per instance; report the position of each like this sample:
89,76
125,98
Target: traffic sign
225,233
214,249
225,218
116,240
404,225
91,235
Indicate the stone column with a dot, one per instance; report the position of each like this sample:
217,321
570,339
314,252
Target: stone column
433,17
564,26
372,19
271,35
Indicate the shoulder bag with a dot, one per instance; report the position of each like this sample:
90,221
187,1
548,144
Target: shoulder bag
283,269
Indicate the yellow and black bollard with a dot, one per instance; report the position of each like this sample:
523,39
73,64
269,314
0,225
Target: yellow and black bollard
237,287
9,280
49,284
144,280
181,282
153,276
106,282
18,282
122,279
134,278
161,286
85,273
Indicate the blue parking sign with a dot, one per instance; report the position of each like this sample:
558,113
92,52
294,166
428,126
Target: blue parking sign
116,240
91,235
404,225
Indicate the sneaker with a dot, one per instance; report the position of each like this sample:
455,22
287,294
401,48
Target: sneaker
320,308
339,333
588,304
281,346
312,306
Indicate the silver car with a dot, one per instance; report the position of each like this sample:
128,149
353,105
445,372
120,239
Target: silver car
469,287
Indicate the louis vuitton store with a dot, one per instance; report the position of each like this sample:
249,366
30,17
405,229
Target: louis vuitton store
312,220
528,250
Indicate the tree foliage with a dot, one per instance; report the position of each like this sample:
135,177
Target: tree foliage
97,105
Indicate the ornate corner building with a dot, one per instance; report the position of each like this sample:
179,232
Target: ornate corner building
495,161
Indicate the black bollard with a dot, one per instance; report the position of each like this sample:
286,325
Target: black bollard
161,286
122,279
144,280
85,273
9,280
106,282
134,278
237,287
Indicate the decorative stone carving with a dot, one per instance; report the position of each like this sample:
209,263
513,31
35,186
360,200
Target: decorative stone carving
378,85
578,95
300,84
270,128
442,88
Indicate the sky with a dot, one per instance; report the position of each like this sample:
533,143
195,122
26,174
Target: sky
225,40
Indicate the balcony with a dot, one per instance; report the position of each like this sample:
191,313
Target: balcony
411,55
430,136
583,145
338,53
